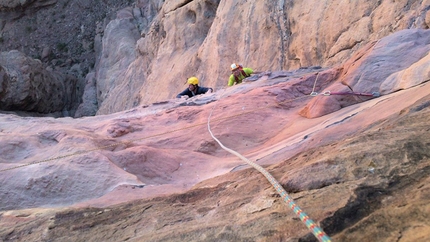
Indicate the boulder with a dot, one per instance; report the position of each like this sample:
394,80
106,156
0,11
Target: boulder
26,85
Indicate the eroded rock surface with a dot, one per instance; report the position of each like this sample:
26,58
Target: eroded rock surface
396,62
25,85
155,173
372,184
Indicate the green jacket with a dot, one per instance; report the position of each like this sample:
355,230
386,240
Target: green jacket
232,80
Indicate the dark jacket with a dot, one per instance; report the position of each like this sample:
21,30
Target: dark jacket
200,90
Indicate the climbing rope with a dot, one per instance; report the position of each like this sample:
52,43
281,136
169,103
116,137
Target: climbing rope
310,224
329,93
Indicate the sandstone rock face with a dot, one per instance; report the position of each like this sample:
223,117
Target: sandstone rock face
118,53
149,170
169,44
352,171
202,38
398,61
25,85
154,172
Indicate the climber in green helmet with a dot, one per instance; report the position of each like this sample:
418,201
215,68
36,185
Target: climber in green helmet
238,74
194,88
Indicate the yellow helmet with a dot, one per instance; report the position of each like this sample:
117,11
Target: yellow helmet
235,66
193,80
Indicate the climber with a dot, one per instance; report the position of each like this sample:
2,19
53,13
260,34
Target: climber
194,88
238,74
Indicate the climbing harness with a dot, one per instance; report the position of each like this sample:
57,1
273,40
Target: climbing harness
244,74
310,224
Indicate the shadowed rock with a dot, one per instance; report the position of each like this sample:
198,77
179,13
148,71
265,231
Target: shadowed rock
25,85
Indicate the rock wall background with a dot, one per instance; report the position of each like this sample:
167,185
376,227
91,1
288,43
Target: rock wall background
27,86
64,35
130,53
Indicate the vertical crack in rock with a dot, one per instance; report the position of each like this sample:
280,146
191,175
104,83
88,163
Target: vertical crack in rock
279,16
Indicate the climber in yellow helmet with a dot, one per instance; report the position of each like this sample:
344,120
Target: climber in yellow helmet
194,88
238,73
